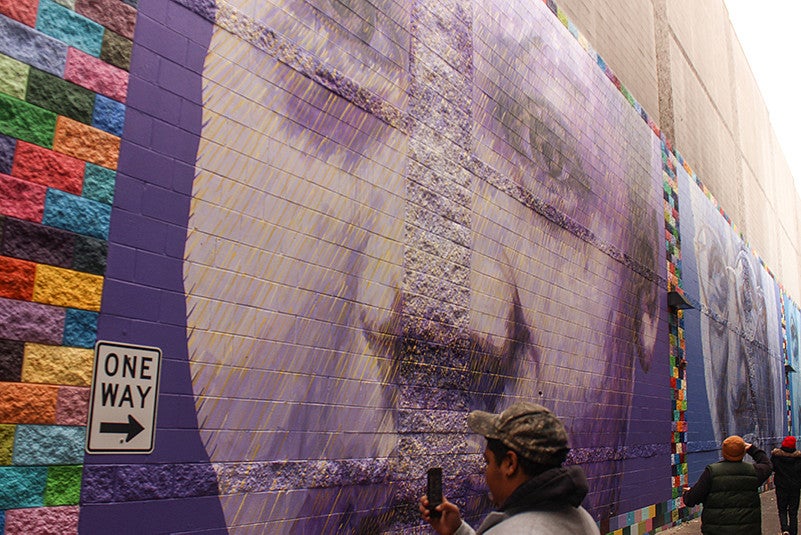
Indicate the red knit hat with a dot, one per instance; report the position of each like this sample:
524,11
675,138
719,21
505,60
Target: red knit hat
788,442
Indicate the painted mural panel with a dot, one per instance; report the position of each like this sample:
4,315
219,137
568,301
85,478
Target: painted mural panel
792,331
549,121
294,262
295,249
736,366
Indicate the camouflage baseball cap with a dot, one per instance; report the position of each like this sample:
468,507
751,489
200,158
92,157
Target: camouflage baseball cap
528,428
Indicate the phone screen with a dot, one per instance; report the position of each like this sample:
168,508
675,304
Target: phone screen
434,490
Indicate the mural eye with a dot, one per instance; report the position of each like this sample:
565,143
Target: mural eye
357,16
546,143
718,295
747,306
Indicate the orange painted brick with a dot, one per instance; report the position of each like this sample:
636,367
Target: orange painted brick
16,278
22,199
86,143
21,10
47,167
95,74
23,403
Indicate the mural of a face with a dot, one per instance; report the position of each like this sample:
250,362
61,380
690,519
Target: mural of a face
294,257
547,118
740,333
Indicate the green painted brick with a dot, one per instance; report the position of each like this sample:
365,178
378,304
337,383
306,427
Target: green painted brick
63,485
27,122
98,183
6,444
22,486
13,77
59,96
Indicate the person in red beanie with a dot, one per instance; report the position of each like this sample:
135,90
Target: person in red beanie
729,490
786,462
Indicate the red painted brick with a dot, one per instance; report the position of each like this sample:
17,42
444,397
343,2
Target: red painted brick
21,10
49,168
16,278
26,403
112,14
22,199
95,74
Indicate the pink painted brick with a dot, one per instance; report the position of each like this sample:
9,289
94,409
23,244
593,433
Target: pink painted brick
95,74
112,14
22,199
49,168
42,520
72,405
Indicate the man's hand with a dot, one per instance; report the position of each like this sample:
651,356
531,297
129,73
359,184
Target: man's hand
449,520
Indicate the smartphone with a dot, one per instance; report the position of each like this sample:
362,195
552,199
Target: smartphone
434,490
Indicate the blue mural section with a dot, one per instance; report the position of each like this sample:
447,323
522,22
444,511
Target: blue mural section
792,332
735,370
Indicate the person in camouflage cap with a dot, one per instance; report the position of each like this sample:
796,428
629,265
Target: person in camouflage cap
534,493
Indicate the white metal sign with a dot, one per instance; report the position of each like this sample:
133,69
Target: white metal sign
122,408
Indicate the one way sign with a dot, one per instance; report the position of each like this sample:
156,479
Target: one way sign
122,409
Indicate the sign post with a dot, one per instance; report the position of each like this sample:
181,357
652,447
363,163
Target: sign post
122,408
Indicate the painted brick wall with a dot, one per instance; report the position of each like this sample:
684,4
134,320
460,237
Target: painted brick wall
345,232
62,108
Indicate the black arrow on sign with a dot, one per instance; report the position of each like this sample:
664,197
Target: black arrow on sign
133,428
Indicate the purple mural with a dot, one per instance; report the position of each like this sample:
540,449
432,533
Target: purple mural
295,277
382,235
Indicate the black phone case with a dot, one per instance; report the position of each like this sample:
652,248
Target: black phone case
434,490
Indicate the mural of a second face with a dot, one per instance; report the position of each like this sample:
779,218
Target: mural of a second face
296,279
736,363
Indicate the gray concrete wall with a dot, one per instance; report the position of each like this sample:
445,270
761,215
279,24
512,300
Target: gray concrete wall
682,61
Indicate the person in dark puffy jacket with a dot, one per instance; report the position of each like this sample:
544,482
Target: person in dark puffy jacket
786,462
729,490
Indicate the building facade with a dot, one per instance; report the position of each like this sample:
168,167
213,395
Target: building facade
259,259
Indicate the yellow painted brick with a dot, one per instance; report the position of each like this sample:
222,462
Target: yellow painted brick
6,443
67,288
86,143
57,365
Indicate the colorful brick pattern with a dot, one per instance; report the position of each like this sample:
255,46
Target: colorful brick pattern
63,84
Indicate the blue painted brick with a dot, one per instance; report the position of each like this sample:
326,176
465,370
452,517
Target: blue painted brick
29,46
7,147
80,328
77,214
48,444
98,183
68,26
109,115
22,486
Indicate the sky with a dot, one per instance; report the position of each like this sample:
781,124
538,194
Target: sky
768,33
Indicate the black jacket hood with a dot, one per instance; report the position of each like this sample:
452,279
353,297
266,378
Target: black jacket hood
552,489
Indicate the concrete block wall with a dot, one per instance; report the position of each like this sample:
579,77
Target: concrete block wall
63,82
340,233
